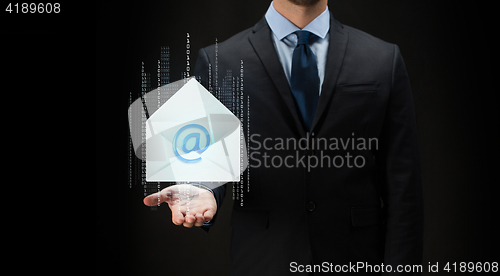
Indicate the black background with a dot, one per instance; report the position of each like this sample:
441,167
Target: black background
449,54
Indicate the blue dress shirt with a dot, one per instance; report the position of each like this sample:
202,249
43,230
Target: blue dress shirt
285,40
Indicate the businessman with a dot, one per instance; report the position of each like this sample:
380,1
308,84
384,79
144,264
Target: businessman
340,200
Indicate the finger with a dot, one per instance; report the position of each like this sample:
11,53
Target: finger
199,220
208,215
189,221
177,216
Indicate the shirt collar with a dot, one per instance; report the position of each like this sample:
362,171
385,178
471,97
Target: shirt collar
282,27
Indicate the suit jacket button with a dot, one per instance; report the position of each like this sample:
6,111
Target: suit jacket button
310,206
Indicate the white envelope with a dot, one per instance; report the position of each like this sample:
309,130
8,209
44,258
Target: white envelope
193,137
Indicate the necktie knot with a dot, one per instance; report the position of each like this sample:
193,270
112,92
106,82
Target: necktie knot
303,37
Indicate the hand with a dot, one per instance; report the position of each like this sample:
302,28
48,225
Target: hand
190,205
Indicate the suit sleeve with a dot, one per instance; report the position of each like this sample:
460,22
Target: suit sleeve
202,75
400,169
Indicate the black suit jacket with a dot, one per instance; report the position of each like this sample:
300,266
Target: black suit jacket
335,214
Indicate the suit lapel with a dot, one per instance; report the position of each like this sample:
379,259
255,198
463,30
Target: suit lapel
262,43
335,57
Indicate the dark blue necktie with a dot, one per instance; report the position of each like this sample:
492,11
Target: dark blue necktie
304,80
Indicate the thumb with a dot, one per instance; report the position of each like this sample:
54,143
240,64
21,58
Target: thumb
158,197
152,199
